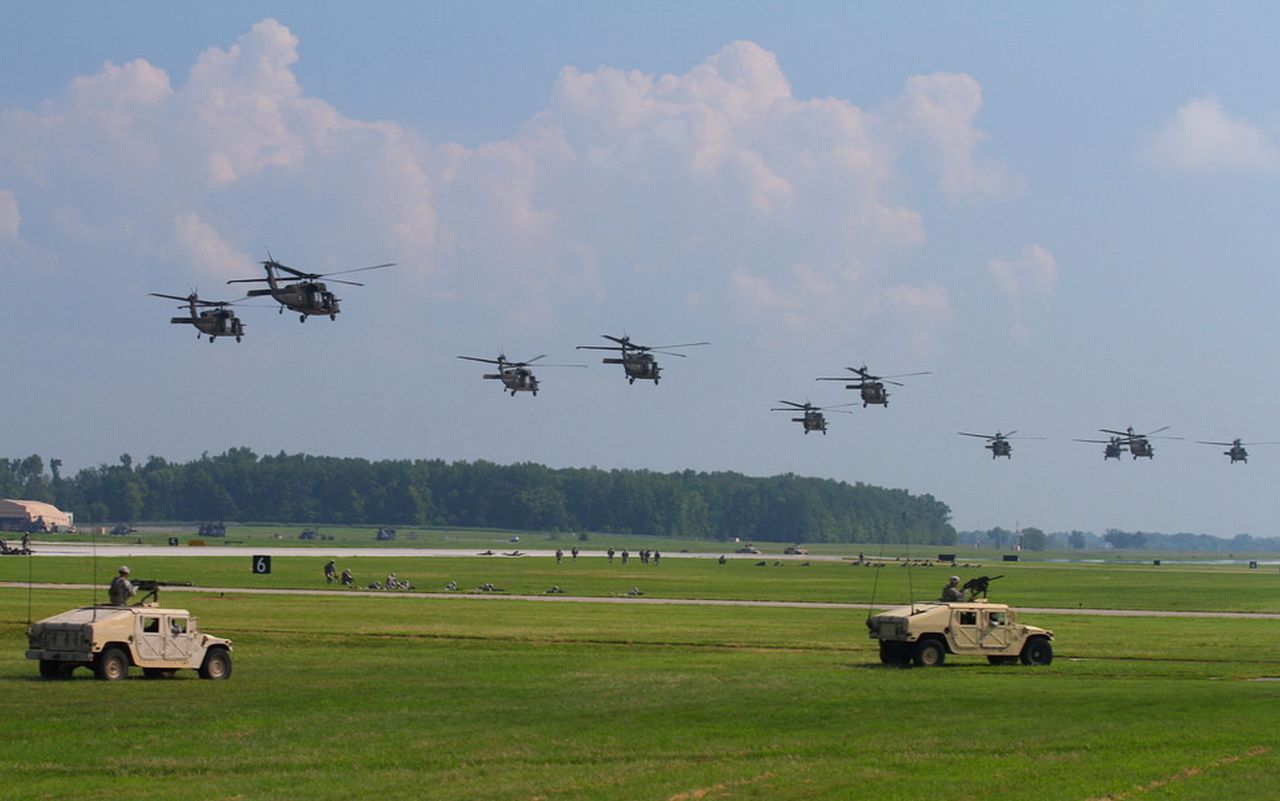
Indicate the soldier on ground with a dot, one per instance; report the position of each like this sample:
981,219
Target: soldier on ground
574,553
559,555
625,555
121,589
952,591
26,542
610,552
330,572
657,557
347,578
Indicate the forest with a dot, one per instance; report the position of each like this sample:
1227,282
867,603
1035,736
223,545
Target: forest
241,486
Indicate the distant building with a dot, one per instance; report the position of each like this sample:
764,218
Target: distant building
22,515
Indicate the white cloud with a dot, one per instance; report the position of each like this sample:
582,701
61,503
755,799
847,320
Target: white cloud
205,249
9,217
1028,280
941,109
1203,137
718,182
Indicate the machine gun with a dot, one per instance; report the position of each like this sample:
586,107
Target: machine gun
151,589
978,586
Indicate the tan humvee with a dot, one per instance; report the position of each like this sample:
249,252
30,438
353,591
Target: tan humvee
925,633
108,639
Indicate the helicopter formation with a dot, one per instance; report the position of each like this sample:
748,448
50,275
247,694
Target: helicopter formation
306,294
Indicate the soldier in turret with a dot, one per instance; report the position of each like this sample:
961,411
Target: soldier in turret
952,591
121,589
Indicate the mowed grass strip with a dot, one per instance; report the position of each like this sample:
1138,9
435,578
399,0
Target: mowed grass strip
456,699
1186,588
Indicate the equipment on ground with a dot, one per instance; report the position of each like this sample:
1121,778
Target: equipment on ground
212,318
637,360
516,376
811,417
307,296
1235,449
997,443
871,387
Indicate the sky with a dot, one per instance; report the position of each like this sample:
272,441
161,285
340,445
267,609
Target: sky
1065,215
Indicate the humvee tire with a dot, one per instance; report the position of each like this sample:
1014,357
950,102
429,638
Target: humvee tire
894,653
929,653
1037,651
217,664
112,664
53,669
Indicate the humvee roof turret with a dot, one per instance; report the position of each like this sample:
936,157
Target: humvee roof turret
108,639
925,633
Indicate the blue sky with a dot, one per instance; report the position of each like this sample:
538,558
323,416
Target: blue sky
1065,214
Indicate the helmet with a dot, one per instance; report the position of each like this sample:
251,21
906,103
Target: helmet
954,579
124,570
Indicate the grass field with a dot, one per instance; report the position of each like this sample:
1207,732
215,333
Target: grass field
457,699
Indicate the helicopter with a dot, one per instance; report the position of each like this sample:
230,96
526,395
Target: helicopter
1137,444
997,443
637,360
516,376
1237,451
871,387
210,317
812,419
308,296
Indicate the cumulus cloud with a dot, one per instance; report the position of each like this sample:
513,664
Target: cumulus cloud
1203,137
1027,281
200,245
717,182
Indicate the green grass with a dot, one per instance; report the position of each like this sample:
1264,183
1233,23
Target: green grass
339,698
1197,588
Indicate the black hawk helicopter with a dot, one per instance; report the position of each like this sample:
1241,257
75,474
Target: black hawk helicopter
1137,444
871,387
212,318
1236,449
516,376
637,360
811,417
307,296
997,443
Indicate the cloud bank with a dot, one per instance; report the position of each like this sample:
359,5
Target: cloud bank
1203,137
722,182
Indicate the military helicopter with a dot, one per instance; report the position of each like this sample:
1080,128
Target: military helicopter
812,418
871,386
637,360
997,443
1137,444
210,317
308,296
1115,446
516,376
1237,451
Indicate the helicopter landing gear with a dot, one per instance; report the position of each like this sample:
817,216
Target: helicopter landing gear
280,310
302,318
237,337
211,339
333,316
630,380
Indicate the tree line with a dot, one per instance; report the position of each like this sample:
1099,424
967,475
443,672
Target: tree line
1033,539
298,488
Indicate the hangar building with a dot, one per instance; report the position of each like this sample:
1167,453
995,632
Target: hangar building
19,515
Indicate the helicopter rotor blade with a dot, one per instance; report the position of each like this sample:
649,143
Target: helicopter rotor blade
174,297
248,281
342,281
358,269
668,353
1157,431
478,359
979,436
906,375
684,345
